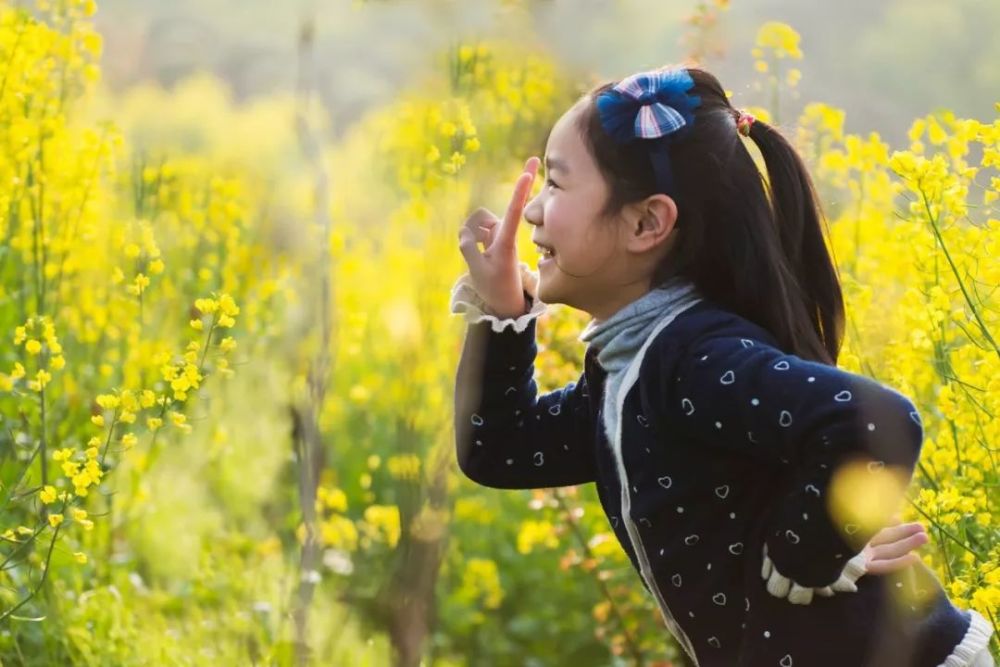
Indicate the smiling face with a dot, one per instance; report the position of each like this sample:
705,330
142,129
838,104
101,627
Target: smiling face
599,264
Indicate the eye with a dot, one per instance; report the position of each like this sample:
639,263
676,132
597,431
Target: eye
549,181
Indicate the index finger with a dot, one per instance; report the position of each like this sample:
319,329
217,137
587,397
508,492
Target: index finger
895,533
522,188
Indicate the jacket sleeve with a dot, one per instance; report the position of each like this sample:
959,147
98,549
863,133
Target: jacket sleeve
751,397
507,436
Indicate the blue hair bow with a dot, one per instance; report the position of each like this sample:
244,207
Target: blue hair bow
652,106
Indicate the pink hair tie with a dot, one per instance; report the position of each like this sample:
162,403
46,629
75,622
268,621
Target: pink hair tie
744,122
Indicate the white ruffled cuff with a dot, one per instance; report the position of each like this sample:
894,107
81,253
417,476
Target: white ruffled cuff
466,300
974,645
781,586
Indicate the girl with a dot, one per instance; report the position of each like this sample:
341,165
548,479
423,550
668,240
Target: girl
710,411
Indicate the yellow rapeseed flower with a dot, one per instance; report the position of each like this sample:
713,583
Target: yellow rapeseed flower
42,378
55,519
48,494
332,498
108,401
404,466
338,532
533,533
781,38
206,305
382,523
62,454
128,401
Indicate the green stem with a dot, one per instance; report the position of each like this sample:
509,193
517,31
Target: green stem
945,533
619,617
954,269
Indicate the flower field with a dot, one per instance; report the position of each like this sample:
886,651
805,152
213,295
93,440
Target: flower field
227,365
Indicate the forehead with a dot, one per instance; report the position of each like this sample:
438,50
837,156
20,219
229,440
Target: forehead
565,147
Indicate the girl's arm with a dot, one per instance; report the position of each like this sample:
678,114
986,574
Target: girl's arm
507,436
755,399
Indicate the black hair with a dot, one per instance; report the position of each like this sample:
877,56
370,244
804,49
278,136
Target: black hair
755,247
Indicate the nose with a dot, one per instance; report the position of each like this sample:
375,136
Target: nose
533,210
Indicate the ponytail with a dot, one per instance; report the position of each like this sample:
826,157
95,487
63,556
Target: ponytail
800,228
757,249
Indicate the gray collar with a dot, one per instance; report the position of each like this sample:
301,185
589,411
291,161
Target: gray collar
618,338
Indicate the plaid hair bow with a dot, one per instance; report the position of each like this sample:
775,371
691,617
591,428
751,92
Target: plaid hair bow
650,105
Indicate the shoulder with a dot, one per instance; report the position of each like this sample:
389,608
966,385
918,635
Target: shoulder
703,322
713,340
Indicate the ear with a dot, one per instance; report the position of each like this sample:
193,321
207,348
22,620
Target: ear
651,222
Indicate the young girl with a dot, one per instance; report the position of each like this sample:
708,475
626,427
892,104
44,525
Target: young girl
710,411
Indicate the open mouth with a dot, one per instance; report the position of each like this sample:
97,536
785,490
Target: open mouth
545,251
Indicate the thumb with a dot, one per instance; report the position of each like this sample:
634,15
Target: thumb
468,244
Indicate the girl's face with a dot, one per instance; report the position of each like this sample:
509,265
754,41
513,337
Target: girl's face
599,265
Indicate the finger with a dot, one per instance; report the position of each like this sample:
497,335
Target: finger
484,235
469,247
481,217
894,564
507,233
895,533
898,548
488,230
478,220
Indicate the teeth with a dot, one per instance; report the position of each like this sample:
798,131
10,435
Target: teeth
544,251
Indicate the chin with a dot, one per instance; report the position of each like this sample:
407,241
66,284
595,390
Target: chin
546,295
543,294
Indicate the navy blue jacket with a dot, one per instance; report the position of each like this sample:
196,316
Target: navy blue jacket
726,443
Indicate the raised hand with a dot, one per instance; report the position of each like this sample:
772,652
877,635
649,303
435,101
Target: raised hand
495,271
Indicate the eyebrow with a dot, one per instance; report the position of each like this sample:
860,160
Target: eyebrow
555,164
